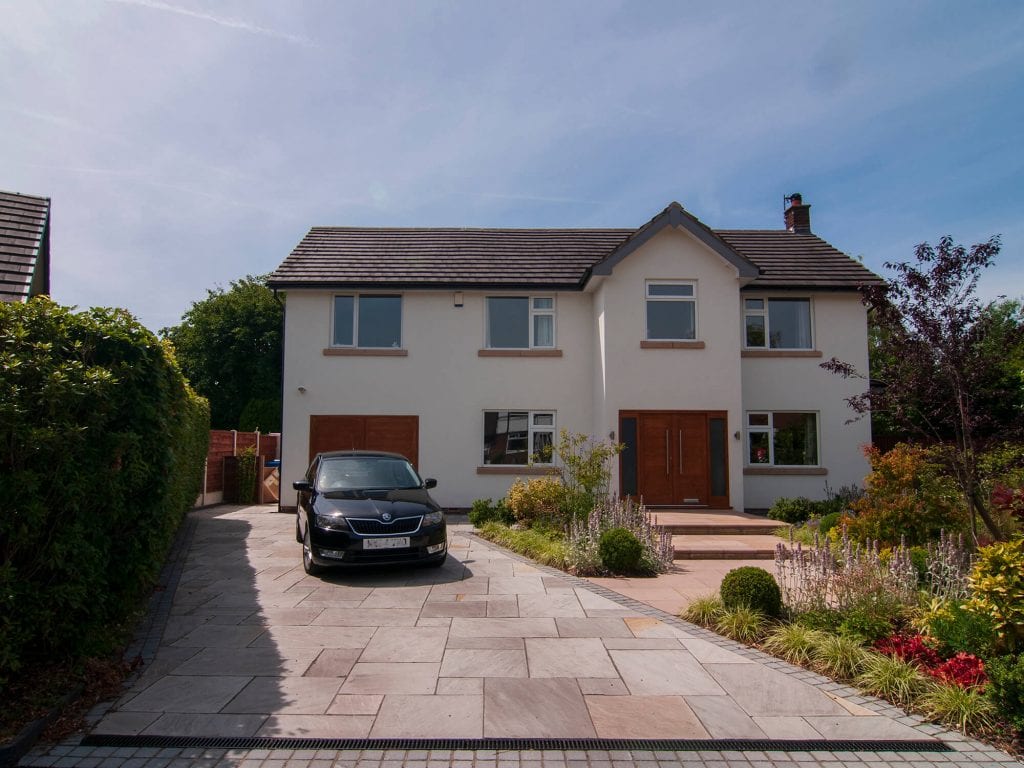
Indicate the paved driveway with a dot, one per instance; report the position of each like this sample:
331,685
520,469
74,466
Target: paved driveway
487,646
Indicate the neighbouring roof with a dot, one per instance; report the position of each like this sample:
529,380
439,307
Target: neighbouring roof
360,257
24,246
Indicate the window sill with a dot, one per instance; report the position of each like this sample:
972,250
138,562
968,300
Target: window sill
366,352
780,353
515,469
671,345
785,471
519,353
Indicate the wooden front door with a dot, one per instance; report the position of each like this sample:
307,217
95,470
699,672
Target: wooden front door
675,458
398,434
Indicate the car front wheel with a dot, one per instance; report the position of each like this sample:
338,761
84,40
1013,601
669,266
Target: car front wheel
307,558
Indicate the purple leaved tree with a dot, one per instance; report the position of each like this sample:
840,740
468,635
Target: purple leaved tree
939,367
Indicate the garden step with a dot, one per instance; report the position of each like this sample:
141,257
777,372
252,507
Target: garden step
725,547
714,523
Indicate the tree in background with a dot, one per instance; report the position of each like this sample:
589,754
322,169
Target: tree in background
229,347
946,367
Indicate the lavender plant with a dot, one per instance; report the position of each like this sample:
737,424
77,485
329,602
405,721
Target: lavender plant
585,533
949,567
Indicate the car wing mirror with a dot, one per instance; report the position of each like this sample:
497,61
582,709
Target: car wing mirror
430,483
302,485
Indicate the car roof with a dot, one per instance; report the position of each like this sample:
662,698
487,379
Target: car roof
365,454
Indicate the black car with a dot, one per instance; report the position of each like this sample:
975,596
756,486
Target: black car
367,507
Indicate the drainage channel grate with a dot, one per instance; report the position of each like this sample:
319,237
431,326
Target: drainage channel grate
650,745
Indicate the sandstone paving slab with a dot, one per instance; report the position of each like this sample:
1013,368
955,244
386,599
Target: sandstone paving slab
641,643
179,693
452,608
317,726
246,661
294,617
503,606
355,704
706,652
184,724
539,708
411,677
786,727
129,723
724,718
404,644
166,660
333,662
663,673
287,695
367,617
591,601
397,597
483,662
517,585
441,716
568,657
434,621
496,643
286,639
763,691
208,636
648,626
476,585
458,686
558,605
602,686
850,727
644,717
503,627
588,627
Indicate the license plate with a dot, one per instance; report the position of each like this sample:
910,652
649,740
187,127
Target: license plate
396,543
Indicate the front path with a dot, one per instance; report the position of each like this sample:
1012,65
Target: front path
489,646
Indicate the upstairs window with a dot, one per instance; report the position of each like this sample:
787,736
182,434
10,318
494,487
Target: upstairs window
777,323
520,322
671,311
367,320
782,439
519,437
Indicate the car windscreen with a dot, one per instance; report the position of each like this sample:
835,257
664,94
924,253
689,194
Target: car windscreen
364,472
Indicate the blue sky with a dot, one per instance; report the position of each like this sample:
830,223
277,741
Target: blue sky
186,143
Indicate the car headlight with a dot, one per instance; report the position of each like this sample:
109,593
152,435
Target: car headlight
335,522
433,518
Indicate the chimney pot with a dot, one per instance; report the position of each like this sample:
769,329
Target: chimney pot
798,215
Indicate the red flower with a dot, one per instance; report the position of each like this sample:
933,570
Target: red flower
964,669
909,648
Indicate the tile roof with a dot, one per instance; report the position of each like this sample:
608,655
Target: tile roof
330,257
24,244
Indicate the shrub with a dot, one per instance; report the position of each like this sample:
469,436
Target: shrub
892,678
954,627
741,623
539,498
485,511
828,522
793,511
964,669
584,538
704,611
910,648
1006,688
997,590
620,551
909,498
103,449
963,708
864,625
586,472
821,620
753,587
792,642
247,475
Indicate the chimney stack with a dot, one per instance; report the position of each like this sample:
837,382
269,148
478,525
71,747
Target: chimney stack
798,215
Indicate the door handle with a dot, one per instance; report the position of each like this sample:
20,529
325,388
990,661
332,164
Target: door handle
668,456
680,451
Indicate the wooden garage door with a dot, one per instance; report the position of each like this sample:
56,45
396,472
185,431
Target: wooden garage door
398,434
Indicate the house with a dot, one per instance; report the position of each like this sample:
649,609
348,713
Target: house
24,246
469,349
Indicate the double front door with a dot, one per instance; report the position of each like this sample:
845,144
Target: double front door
675,458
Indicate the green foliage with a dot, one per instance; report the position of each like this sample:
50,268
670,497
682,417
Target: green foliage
753,587
539,499
1006,688
954,627
542,546
742,624
620,550
705,611
892,678
838,657
584,538
247,475
967,709
485,511
997,590
793,642
101,454
229,346
586,471
828,522
822,620
793,511
864,624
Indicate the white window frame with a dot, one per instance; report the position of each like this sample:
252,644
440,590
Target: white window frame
355,318
691,299
763,312
533,311
531,429
769,429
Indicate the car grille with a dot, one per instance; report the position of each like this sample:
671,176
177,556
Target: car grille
396,527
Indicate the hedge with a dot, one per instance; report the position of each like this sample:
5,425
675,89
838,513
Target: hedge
102,445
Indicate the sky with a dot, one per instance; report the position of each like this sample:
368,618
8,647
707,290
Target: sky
188,143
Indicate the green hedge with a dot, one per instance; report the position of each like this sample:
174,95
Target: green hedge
102,445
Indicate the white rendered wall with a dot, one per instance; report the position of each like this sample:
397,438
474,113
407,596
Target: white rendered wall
442,381
628,377
800,384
